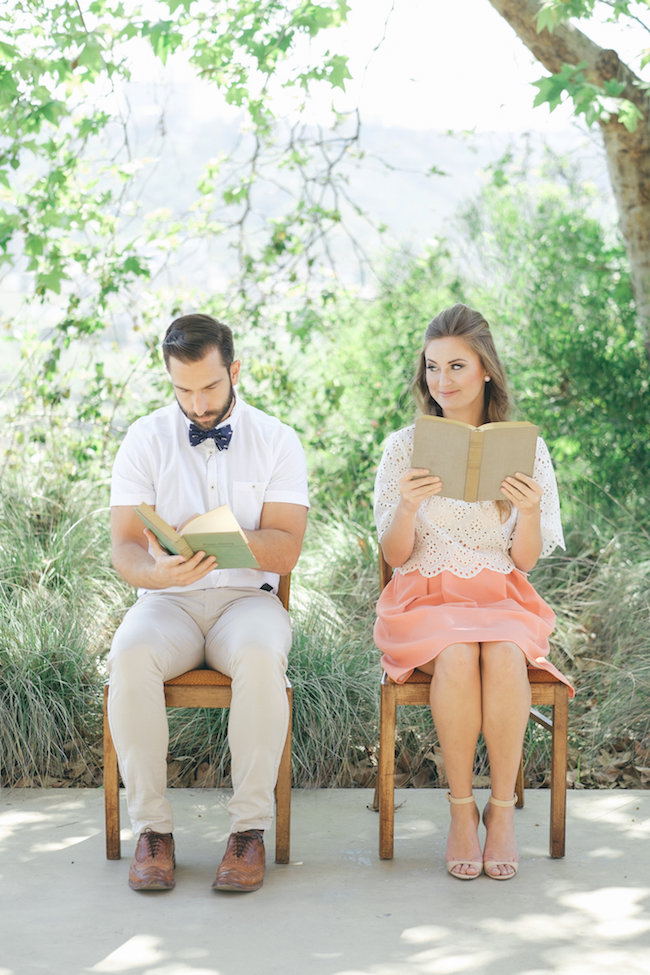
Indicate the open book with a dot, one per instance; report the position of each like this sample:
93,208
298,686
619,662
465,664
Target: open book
473,461
216,532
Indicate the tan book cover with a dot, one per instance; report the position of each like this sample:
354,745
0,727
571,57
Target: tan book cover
217,532
473,461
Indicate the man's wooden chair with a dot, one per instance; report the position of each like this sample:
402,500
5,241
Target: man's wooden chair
201,689
546,690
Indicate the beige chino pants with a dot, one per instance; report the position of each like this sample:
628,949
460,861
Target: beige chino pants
244,633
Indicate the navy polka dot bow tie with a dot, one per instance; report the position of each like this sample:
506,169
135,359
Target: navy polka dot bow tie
220,435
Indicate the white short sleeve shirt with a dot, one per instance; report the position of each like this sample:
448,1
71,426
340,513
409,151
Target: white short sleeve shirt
264,463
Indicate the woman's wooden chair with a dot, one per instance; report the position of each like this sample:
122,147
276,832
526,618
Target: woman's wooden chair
546,690
201,689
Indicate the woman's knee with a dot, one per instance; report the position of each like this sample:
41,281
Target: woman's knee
458,659
502,657
502,652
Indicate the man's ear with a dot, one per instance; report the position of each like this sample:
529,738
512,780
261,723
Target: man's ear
234,371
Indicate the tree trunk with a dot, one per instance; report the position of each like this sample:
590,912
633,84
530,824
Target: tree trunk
628,153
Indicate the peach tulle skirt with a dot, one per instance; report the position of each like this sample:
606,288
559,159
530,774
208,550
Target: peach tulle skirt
418,617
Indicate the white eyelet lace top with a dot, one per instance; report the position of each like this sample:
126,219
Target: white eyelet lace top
461,537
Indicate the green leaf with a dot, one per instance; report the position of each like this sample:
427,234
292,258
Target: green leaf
51,281
550,90
53,110
8,51
629,115
339,71
175,4
164,38
8,86
34,245
91,55
133,265
613,87
546,20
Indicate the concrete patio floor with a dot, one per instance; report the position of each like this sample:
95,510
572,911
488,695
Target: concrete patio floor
336,909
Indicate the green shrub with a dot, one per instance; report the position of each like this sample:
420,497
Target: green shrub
59,602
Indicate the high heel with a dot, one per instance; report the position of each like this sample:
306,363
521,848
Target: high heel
490,865
453,865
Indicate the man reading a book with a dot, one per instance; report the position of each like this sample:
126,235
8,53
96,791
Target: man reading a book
208,448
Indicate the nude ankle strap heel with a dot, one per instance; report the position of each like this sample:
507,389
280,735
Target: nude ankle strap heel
453,865
504,803
490,865
460,802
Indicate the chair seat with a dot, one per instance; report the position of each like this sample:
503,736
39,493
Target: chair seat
535,676
200,678
538,676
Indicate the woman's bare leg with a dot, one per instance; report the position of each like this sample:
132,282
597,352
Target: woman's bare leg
456,709
505,710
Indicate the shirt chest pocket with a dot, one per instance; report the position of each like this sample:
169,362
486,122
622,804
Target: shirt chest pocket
246,501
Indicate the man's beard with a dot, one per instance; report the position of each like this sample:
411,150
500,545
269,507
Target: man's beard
209,420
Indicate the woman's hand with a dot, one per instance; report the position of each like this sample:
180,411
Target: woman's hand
416,486
399,538
523,492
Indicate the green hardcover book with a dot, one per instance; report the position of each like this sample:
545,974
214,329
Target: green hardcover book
473,461
216,532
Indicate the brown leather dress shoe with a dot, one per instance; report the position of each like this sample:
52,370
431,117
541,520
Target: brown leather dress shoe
242,867
152,867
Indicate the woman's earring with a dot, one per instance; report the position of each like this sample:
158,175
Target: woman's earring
487,378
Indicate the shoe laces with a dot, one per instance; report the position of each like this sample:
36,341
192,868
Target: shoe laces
155,842
244,840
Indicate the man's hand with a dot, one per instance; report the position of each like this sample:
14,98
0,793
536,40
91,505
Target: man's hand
176,570
155,568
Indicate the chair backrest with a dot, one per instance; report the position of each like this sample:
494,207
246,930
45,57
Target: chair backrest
385,570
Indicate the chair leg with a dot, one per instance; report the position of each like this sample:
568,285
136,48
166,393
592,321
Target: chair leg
519,787
111,790
558,772
386,771
283,795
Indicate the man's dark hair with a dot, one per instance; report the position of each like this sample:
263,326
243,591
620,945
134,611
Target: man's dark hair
191,337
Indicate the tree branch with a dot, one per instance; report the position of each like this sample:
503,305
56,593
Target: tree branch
568,45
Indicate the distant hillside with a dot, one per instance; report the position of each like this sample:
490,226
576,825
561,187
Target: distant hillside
179,135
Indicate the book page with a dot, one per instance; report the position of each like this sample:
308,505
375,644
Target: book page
219,519
508,448
442,446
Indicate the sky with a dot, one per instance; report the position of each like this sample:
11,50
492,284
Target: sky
458,65
441,64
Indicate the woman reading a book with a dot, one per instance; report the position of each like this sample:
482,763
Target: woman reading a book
459,605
